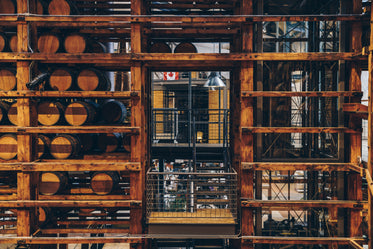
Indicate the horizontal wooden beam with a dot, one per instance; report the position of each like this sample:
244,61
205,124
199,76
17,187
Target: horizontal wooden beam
71,129
356,109
179,18
125,59
68,203
93,222
299,130
301,94
317,166
299,240
69,240
68,94
83,197
303,204
85,230
80,165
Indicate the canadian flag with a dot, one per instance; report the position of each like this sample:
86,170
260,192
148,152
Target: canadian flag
170,76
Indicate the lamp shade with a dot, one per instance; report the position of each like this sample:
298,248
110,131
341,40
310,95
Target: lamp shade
214,81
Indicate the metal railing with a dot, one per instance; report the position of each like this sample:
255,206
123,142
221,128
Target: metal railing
171,125
191,196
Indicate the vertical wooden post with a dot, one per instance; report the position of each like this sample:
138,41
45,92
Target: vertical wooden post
355,181
139,119
370,130
25,153
247,119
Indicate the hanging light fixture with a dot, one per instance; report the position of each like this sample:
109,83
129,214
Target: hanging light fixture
214,80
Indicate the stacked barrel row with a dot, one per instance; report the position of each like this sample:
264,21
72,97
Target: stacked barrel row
93,182
51,7
68,146
61,79
75,113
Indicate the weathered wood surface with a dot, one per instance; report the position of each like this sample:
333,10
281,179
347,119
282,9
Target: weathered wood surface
274,204
68,203
300,94
314,166
72,94
191,58
356,109
299,130
71,165
198,20
69,240
298,240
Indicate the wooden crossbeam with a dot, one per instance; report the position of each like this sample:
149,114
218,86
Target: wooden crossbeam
125,59
69,240
68,203
356,109
301,94
181,18
303,204
299,240
299,130
69,94
314,166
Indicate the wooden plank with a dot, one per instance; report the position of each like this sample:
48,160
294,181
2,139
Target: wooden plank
93,222
81,165
125,59
181,18
356,109
301,94
67,203
370,132
354,190
69,94
78,129
298,240
84,230
314,166
84,197
299,130
304,204
69,240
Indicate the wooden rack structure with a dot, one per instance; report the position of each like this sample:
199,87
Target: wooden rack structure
138,23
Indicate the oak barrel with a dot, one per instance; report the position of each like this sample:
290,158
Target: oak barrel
103,183
41,7
88,141
12,114
61,7
75,43
8,146
48,43
62,79
45,215
4,107
160,47
8,6
3,42
44,143
185,47
96,47
109,142
127,143
13,43
8,80
80,113
92,80
65,146
52,182
50,112
114,112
